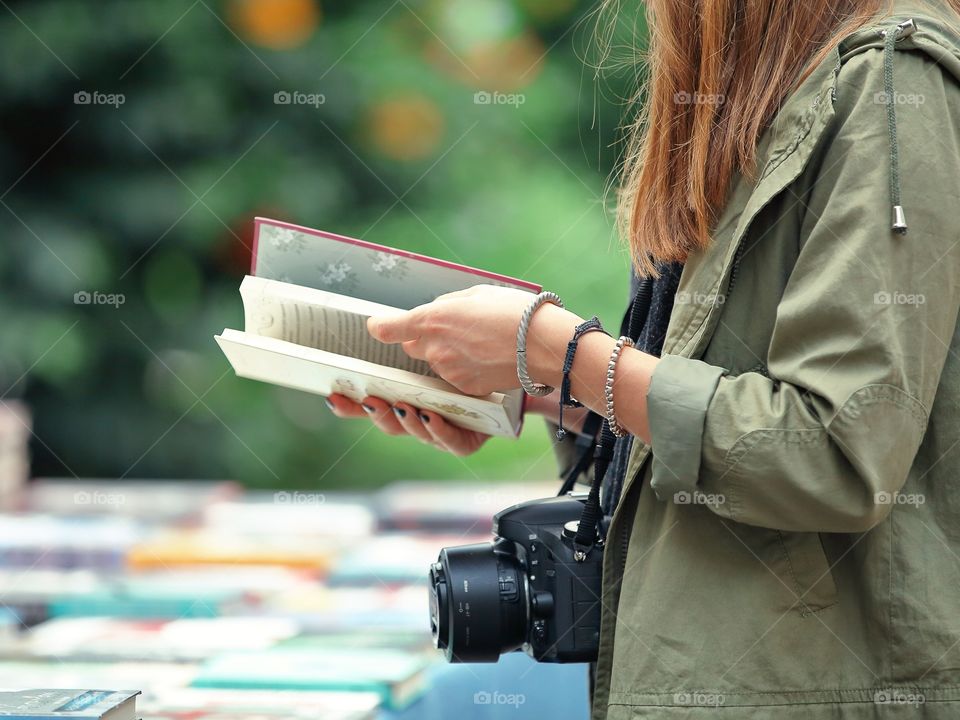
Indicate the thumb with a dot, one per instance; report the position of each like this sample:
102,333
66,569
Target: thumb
391,328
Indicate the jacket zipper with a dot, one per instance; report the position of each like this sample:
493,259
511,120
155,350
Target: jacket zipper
735,267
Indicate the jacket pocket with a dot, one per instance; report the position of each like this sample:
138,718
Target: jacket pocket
807,571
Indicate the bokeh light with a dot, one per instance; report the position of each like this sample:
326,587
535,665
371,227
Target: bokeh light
275,24
485,44
406,128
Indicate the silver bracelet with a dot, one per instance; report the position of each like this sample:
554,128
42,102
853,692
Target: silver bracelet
528,385
615,427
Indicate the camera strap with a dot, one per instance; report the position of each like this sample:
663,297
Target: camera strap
584,444
632,325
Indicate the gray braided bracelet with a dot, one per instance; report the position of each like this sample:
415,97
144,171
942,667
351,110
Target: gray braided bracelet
528,385
615,427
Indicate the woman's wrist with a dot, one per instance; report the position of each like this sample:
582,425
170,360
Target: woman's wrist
550,329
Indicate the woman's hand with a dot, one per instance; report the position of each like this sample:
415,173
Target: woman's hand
468,337
403,419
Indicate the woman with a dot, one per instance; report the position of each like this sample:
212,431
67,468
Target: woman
787,539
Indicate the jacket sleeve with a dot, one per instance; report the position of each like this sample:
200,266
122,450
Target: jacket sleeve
861,335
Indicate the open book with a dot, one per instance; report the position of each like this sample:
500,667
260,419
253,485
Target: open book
305,310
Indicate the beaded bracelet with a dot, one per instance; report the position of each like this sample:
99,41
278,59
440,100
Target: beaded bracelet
528,385
615,427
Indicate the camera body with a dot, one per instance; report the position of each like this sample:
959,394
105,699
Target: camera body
524,590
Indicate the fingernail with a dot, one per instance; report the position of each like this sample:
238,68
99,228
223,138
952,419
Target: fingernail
399,412
424,417
368,408
330,404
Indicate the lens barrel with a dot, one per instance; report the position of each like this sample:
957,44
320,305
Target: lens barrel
479,604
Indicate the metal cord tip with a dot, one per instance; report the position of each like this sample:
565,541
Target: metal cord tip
899,220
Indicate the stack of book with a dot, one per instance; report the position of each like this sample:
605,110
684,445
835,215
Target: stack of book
78,704
240,605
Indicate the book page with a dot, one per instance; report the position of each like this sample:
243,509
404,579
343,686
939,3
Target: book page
316,371
320,320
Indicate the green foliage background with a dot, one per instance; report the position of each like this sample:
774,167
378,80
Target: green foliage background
154,200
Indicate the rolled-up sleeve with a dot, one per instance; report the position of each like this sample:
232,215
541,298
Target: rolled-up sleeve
680,393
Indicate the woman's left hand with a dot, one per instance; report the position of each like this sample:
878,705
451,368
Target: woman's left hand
468,337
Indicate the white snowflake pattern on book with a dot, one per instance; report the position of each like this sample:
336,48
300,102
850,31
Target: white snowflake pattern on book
339,275
284,239
389,265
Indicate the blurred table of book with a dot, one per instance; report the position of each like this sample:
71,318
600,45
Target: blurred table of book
222,603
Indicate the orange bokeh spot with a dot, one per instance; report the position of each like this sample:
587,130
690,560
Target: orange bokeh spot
504,65
276,24
406,128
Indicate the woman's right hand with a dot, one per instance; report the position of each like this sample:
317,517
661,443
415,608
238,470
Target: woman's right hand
403,419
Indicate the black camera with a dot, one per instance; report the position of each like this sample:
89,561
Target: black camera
528,589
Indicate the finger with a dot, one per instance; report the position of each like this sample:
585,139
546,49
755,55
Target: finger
415,349
410,421
393,328
381,413
344,407
448,436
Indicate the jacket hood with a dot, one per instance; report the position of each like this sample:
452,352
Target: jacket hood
911,27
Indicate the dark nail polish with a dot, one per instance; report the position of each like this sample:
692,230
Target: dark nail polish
329,404
399,412
424,418
368,408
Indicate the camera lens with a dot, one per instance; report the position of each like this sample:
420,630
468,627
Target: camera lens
478,602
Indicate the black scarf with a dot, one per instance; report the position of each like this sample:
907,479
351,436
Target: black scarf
649,338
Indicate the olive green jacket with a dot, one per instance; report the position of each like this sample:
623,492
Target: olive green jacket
788,545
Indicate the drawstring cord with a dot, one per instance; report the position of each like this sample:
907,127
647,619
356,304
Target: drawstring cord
901,30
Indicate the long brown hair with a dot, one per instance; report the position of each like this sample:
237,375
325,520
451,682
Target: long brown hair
718,71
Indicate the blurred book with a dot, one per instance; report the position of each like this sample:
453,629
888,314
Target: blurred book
388,610
30,593
398,678
292,512
392,559
79,704
452,507
184,547
151,677
10,626
208,704
153,603
306,329
185,639
152,500
63,543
